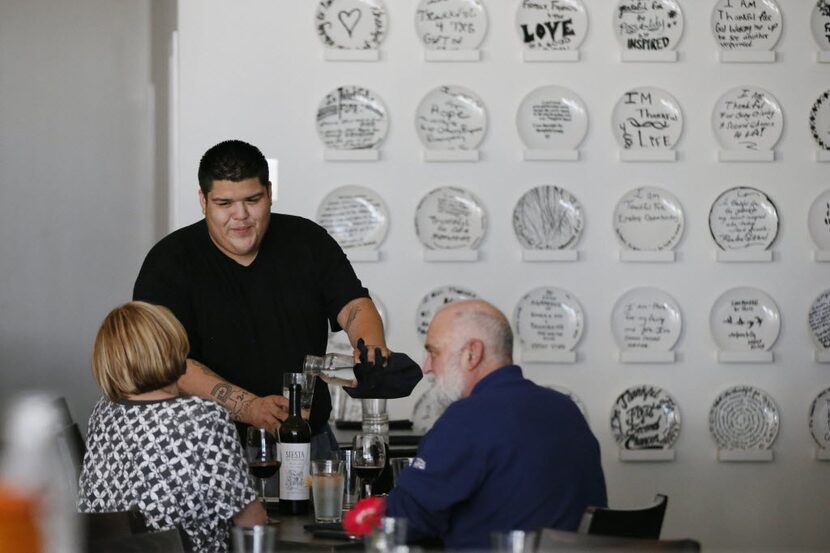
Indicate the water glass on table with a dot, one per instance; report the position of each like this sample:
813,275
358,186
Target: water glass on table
398,464
368,459
327,490
306,382
258,539
515,541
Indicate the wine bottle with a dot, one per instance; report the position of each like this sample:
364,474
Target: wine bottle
335,368
295,451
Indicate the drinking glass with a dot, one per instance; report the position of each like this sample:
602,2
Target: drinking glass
306,382
258,539
263,455
327,489
368,459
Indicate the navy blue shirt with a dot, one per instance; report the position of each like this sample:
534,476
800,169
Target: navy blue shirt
511,456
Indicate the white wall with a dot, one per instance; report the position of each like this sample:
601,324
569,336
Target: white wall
76,174
253,69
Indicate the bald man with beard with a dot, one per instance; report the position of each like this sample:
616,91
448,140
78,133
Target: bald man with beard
506,454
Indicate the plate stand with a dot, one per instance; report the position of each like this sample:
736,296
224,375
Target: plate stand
452,55
745,357
646,356
647,256
648,155
646,455
451,155
821,454
534,256
745,455
461,254
823,56
746,155
743,256
368,154
548,356
658,56
822,356
362,255
551,155
342,54
747,56
822,156
821,256
550,55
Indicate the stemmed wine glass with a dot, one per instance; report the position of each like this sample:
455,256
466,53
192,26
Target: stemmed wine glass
263,455
368,460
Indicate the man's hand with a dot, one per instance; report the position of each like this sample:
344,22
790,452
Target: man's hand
267,412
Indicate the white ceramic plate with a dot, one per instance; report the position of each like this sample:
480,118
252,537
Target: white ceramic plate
552,118
450,218
744,319
819,320
573,397
351,24
355,216
548,319
741,25
352,118
436,299
655,25
742,418
820,419
645,417
747,118
451,118
339,341
548,218
648,219
646,319
820,120
820,23
647,119
451,24
743,218
552,25
818,221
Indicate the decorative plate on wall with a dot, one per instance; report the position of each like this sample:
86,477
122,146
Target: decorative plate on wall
645,417
572,396
434,300
647,119
744,319
648,219
450,218
820,24
741,25
820,419
451,118
552,25
352,118
552,118
548,319
818,221
351,24
646,319
743,218
355,216
820,120
451,24
819,320
656,25
743,417
548,218
747,118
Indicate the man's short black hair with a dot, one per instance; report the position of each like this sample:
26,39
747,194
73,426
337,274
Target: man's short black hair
232,160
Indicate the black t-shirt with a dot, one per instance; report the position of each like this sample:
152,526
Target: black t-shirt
252,324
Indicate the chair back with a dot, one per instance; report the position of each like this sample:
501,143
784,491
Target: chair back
560,541
644,523
71,451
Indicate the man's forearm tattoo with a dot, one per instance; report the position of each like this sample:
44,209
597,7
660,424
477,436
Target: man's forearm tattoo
236,402
352,316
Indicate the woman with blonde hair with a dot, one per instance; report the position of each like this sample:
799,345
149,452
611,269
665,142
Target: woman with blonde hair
175,458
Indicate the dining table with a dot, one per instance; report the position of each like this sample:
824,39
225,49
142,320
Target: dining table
292,535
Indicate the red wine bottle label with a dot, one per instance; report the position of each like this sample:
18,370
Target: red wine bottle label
294,471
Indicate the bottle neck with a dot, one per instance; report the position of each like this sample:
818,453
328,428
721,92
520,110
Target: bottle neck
294,400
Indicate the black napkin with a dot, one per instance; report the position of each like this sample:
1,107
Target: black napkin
376,381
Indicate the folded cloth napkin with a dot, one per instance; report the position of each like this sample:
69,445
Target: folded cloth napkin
375,381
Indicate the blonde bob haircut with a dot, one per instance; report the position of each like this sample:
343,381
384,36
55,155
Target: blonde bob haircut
139,348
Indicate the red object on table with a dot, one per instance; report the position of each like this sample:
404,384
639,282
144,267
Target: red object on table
364,516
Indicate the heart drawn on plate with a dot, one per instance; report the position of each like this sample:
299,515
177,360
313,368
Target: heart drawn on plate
349,19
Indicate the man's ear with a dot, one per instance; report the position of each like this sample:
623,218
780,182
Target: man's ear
202,201
475,352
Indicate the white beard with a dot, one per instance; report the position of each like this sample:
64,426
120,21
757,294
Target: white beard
449,387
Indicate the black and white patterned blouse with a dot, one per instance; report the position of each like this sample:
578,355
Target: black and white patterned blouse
179,461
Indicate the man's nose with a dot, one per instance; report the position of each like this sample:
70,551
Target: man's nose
239,211
426,367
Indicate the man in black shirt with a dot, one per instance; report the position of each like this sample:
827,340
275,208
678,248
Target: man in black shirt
255,291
